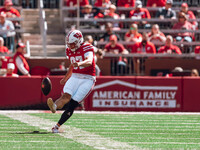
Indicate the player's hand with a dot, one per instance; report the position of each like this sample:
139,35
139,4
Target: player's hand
63,81
75,64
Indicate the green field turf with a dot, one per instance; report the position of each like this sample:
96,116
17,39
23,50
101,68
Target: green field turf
148,131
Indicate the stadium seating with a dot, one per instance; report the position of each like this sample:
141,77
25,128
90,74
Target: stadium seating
59,23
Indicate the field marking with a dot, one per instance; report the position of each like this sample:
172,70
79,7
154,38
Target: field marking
103,112
78,135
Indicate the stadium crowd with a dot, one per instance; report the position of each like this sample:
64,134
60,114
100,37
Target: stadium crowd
138,34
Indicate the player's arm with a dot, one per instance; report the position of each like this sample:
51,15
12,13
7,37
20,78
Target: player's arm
87,62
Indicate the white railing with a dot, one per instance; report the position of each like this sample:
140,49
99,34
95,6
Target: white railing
43,26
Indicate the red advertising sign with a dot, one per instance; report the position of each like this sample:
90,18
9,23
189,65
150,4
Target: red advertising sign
132,93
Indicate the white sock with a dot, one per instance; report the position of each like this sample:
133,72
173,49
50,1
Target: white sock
55,106
57,127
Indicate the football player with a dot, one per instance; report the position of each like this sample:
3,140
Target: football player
80,78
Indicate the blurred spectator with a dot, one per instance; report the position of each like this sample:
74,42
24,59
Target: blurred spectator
177,69
110,13
132,35
194,73
114,47
3,49
11,12
7,31
109,32
89,39
142,47
88,12
145,46
102,3
21,65
197,50
156,3
98,55
166,12
73,3
169,47
140,13
183,24
10,71
156,36
189,14
125,3
2,68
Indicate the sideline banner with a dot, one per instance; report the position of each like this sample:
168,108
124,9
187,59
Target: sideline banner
136,94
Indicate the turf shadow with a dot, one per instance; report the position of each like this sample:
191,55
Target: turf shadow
34,132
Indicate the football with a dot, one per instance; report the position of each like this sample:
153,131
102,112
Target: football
46,86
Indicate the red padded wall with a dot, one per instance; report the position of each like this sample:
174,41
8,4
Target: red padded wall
191,92
18,92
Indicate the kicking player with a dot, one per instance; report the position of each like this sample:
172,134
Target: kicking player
80,78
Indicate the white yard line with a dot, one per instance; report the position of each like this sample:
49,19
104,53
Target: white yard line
78,135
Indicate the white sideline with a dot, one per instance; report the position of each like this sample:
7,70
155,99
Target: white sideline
78,135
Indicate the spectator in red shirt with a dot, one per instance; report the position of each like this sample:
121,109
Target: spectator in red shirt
73,3
9,10
169,47
3,49
156,3
142,47
189,14
102,3
197,50
132,35
125,3
183,24
156,36
114,47
140,13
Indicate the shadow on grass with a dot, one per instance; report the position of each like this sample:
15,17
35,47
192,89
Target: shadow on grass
34,132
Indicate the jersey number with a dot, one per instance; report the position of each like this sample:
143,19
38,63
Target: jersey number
76,59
